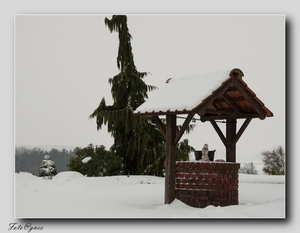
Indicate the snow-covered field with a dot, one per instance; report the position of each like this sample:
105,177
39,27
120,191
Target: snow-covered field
72,195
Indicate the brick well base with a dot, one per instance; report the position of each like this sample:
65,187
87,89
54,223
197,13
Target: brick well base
200,184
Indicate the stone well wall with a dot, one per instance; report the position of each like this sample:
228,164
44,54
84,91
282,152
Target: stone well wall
199,184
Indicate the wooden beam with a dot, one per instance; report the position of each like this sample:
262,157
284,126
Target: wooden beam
230,135
250,98
241,130
215,107
160,125
223,117
219,132
219,92
231,103
183,127
170,159
220,112
164,113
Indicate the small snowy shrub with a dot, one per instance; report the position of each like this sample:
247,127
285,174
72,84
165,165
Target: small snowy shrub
47,167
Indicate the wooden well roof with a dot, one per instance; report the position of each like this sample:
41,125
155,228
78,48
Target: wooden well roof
219,95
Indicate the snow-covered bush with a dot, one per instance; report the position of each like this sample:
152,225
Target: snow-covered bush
95,161
47,167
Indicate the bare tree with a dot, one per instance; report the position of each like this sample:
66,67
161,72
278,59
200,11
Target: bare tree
274,161
249,168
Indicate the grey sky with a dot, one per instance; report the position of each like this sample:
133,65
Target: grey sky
63,63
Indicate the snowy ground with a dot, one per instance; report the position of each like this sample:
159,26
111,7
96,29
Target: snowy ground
72,195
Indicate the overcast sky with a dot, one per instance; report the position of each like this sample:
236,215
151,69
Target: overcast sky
63,63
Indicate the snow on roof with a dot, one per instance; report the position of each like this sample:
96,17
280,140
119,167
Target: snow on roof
184,93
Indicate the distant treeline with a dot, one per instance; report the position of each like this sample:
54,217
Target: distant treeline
29,160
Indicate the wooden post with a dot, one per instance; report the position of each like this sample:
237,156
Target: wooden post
230,145
170,159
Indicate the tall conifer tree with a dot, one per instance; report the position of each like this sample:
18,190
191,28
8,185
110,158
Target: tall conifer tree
136,139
